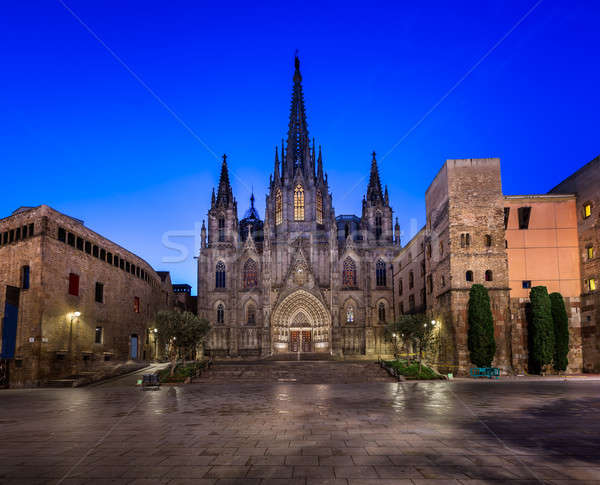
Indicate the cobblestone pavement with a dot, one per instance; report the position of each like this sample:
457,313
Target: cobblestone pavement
460,432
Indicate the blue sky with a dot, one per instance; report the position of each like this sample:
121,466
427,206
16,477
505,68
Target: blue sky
78,132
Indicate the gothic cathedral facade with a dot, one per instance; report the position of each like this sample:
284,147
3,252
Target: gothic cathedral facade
302,280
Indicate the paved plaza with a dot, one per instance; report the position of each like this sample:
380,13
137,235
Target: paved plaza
265,433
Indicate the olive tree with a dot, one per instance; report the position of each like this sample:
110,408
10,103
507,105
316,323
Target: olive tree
179,332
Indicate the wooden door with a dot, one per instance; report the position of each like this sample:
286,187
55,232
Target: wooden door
306,341
294,341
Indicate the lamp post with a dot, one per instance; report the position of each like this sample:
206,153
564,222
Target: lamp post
155,331
74,315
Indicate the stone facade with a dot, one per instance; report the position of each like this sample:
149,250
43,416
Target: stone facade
465,236
72,299
302,280
306,280
585,184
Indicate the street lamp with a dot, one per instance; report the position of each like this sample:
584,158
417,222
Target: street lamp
155,331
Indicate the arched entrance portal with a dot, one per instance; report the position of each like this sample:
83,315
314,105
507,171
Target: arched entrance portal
301,323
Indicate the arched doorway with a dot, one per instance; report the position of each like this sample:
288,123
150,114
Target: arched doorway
301,323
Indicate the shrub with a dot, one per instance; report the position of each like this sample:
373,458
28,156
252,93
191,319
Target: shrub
541,329
561,331
481,342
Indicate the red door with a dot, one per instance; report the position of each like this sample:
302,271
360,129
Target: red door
306,340
294,341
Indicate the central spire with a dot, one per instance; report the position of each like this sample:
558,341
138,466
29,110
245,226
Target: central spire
298,144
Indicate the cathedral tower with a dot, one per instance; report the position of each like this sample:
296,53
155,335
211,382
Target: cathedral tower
222,216
298,199
376,218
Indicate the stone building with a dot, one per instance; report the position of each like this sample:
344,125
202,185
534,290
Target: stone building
301,280
585,185
475,234
304,280
73,301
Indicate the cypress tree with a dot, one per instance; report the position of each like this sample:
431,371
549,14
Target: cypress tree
541,328
561,331
481,342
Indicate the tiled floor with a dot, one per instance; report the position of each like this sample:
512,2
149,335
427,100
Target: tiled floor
304,434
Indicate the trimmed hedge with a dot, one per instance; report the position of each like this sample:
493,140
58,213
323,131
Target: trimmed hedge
541,329
481,341
561,331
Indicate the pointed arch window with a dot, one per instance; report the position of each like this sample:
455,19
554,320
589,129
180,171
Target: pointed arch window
381,312
251,314
378,226
220,313
250,274
278,208
350,314
319,207
380,273
298,203
349,275
220,275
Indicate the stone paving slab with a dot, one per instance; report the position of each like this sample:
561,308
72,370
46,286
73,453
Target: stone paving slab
415,433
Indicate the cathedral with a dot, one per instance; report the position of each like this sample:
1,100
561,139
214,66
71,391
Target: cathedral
302,279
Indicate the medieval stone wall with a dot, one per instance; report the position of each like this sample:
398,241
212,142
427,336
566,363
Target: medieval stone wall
51,341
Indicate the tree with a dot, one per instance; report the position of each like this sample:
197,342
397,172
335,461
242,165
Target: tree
412,328
481,341
561,331
541,328
178,333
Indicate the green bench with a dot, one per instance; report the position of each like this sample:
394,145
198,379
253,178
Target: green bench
489,372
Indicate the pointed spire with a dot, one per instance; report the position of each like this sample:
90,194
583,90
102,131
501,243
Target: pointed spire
203,235
297,148
276,169
374,193
386,196
212,199
397,232
224,194
320,166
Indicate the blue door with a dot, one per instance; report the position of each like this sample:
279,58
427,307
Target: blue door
9,323
134,347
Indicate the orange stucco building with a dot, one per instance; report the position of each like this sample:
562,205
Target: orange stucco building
542,244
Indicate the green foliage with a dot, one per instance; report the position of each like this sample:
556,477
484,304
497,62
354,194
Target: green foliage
181,372
541,329
481,341
413,370
179,332
411,328
561,331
